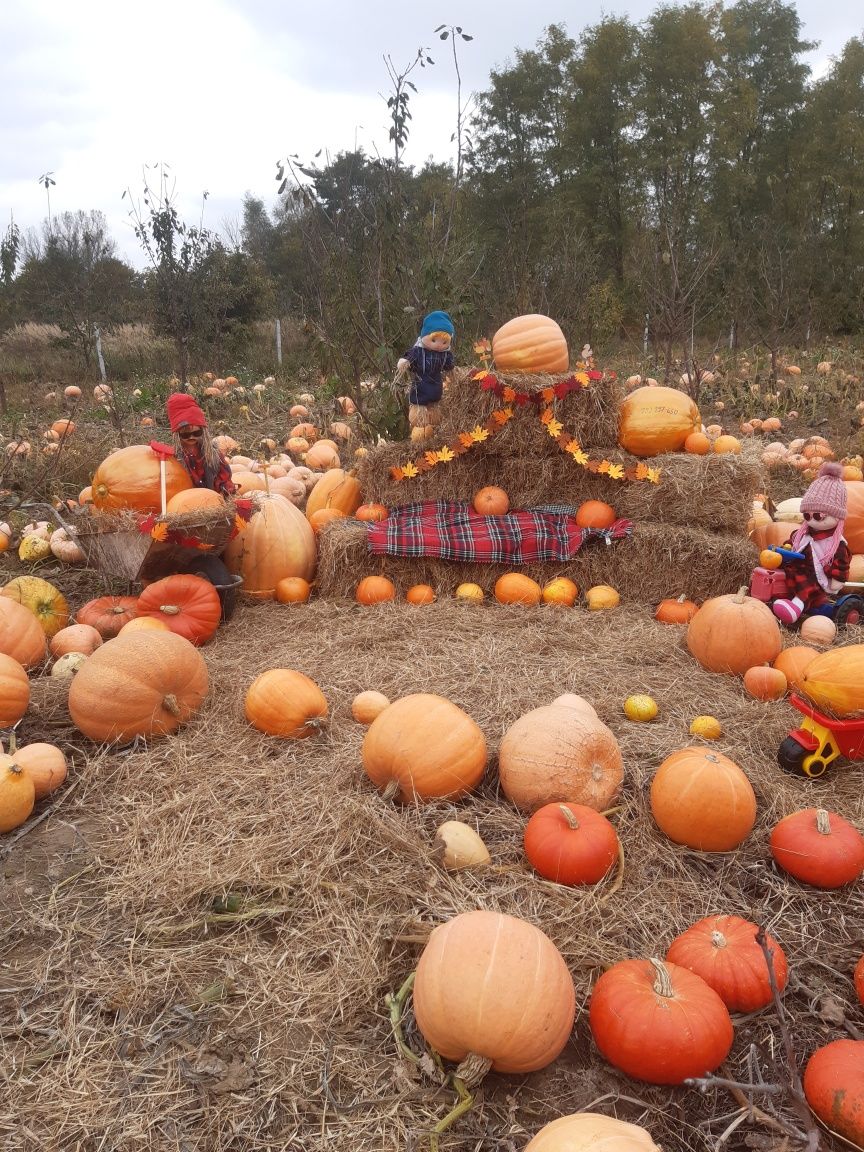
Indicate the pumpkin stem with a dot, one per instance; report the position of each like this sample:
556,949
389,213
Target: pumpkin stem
823,822
569,817
169,609
13,744
170,704
741,594
663,983
473,1068
718,939
391,790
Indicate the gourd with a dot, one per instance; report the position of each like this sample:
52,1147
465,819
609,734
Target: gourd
496,987
424,746
47,603
420,594
461,847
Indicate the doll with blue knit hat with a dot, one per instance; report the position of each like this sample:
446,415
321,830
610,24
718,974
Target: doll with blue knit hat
427,362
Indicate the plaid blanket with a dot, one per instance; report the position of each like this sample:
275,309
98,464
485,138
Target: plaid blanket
454,531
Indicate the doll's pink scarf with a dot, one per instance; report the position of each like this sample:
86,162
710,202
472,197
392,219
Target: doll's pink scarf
823,551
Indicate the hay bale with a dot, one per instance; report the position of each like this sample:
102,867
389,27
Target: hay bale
657,561
714,491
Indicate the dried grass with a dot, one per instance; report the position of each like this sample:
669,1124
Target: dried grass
196,945
657,561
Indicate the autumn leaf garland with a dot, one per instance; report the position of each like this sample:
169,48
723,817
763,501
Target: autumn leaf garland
544,398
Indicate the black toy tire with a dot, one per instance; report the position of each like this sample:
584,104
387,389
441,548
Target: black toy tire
791,757
845,607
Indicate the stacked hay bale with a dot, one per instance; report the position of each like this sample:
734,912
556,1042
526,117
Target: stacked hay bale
690,529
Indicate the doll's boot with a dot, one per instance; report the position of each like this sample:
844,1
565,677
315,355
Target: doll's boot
788,611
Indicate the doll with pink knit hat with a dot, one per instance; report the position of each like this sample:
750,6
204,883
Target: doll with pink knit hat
824,567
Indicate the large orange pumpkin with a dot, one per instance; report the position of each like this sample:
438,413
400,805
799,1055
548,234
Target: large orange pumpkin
20,634
659,1022
723,950
495,986
554,754
818,847
834,1087
140,684
655,420
516,588
591,1132
702,799
188,604
834,681
733,633
47,603
793,661
532,343
854,526
282,702
424,746
193,500
129,478
14,691
335,490
278,541
108,614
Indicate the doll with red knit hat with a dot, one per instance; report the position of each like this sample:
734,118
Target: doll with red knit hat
194,447
824,568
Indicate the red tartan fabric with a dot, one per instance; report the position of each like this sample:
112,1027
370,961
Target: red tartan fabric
801,577
454,531
196,468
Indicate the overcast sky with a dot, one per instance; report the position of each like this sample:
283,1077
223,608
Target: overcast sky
219,89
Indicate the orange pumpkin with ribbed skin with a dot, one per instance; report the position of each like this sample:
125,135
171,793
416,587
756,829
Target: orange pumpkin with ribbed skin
108,614
770,560
282,702
368,706
46,766
491,501
322,517
141,684
188,604
834,1087
793,661
532,343
47,603
14,691
733,633
556,754
834,681
658,1022
129,478
372,513
193,499
724,952
246,482
306,432
374,590
853,528
698,444
495,986
63,428
278,541
570,843
561,590
680,611
293,590
144,624
20,634
421,594
17,794
335,490
765,683
514,588
323,456
764,535
75,638
591,1132
818,847
656,420
427,747
702,799
595,514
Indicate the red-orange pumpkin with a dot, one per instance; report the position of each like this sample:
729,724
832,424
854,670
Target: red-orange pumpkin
765,683
108,614
818,847
293,590
834,1087
491,501
420,594
370,513
659,1022
188,604
374,590
515,588
570,843
724,952
680,611
595,514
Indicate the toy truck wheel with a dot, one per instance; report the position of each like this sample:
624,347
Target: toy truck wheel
850,611
791,757
813,767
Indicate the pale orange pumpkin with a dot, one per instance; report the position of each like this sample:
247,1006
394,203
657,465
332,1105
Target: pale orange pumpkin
733,633
724,445
194,499
702,799
46,766
75,638
491,501
306,432
14,691
531,343
495,986
515,588
591,1132
246,482
336,490
818,630
367,706
793,661
424,746
656,420
323,456
283,702
144,624
557,754
278,541
20,634
129,478
764,682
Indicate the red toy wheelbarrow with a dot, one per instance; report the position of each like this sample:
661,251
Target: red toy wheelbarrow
819,741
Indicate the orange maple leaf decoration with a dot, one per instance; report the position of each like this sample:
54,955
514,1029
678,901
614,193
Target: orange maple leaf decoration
548,394
508,394
159,532
466,439
641,471
431,458
546,416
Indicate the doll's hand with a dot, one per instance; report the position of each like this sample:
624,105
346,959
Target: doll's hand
402,365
